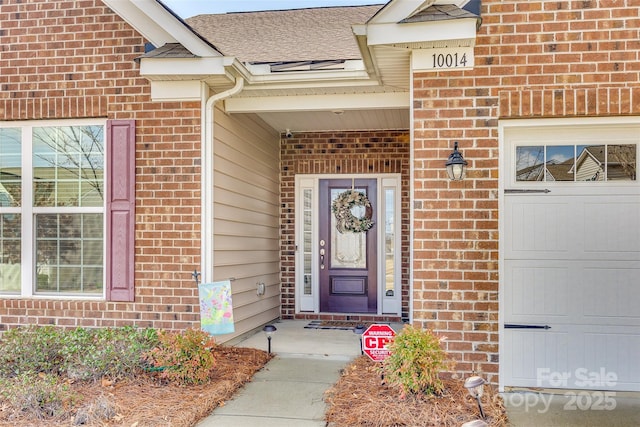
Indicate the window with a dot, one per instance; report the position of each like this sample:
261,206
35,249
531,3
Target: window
602,162
52,208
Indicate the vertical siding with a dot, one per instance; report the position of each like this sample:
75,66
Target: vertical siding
246,216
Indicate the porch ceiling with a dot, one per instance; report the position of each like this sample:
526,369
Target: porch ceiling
309,121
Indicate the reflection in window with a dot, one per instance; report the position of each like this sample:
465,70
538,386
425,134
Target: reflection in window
389,241
68,166
10,217
348,249
10,253
609,162
307,235
69,253
621,162
62,220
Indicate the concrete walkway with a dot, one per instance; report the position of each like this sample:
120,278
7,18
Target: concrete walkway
289,390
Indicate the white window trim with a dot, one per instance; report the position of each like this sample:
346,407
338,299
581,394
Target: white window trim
28,211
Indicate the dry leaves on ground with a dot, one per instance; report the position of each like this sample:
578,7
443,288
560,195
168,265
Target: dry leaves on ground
359,399
145,401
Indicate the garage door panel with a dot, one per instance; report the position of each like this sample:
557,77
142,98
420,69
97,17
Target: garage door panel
614,353
530,350
536,229
612,228
537,292
610,295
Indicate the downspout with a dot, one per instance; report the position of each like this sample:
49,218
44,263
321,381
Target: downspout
206,166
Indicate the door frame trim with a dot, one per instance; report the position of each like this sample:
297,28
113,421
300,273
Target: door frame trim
310,304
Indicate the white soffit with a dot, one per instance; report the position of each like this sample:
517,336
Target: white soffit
343,102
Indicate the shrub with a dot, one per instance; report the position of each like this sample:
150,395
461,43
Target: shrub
111,352
37,396
31,349
415,361
184,357
78,353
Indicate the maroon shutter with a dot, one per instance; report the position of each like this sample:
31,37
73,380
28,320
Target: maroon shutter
121,179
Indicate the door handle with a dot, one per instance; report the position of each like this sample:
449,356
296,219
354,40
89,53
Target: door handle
322,259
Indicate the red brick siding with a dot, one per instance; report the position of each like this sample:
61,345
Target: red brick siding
533,59
372,152
72,59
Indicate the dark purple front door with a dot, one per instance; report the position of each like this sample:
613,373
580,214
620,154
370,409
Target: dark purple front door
347,261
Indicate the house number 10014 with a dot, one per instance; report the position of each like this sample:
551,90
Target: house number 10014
449,60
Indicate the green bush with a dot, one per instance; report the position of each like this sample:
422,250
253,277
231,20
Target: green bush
94,353
38,396
184,357
80,353
416,358
31,349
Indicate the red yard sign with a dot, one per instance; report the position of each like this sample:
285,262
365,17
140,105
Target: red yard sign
375,340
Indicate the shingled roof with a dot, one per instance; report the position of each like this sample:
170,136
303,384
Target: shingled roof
313,34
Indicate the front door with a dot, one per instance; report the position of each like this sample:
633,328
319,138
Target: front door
347,260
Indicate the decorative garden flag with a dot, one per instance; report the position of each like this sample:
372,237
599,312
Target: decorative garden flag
216,309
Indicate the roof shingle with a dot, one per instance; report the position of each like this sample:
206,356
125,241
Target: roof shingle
286,35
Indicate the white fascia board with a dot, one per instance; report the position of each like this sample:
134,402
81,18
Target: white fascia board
386,34
151,30
159,26
176,90
182,66
397,10
317,102
176,28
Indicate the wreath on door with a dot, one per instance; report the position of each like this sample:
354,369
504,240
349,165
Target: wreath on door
342,208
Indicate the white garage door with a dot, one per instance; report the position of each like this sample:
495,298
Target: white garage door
570,279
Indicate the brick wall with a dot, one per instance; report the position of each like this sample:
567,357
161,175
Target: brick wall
533,59
371,152
68,59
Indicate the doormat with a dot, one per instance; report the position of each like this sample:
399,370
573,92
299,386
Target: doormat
345,325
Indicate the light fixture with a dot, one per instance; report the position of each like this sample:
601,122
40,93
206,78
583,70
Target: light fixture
269,330
456,164
475,387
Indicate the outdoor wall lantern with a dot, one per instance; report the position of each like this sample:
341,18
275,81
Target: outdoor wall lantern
456,164
269,330
475,387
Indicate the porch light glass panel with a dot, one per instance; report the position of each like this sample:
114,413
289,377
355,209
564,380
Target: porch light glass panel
389,241
348,249
10,217
307,236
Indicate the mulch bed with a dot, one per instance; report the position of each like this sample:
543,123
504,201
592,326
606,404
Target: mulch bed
146,401
360,399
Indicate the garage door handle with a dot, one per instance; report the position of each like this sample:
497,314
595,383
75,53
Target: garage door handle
514,326
523,191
